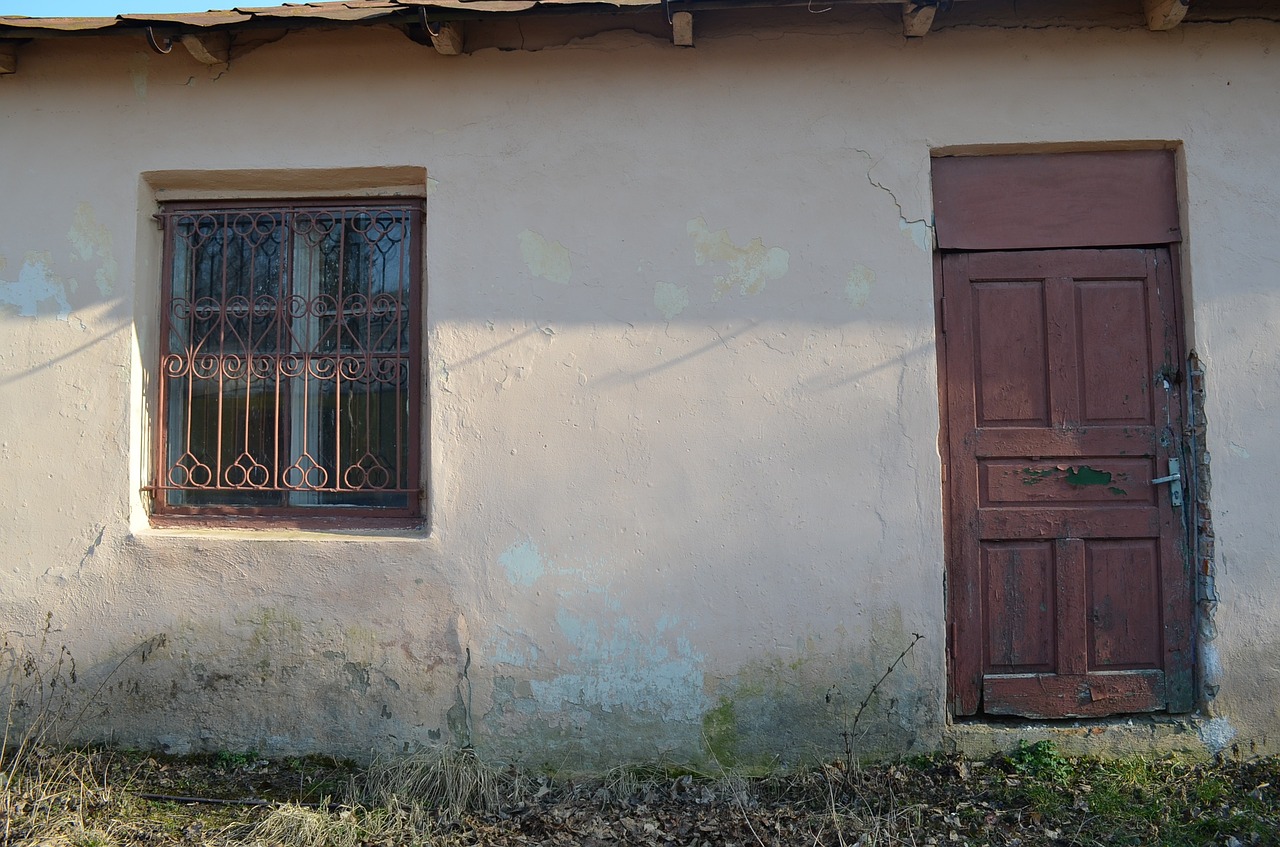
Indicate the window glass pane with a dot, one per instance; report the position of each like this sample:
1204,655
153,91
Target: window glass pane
362,424
225,452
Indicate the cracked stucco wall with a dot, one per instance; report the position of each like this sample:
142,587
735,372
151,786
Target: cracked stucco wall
684,478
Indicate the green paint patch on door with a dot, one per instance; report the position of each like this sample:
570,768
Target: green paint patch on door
1085,475
1033,476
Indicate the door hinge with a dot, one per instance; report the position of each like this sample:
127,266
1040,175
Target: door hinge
942,313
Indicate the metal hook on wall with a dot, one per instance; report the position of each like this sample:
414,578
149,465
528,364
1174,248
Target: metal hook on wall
155,45
422,12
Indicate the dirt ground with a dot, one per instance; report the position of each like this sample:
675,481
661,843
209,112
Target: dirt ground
1032,796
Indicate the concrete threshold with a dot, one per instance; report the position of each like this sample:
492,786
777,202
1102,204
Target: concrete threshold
1191,735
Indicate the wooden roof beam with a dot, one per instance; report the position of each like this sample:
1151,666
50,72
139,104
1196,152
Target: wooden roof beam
917,18
1164,14
682,29
446,38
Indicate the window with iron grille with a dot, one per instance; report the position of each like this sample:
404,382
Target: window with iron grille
289,362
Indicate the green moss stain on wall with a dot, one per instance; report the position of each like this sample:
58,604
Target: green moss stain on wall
720,733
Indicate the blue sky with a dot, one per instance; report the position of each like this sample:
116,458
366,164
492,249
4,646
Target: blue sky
110,8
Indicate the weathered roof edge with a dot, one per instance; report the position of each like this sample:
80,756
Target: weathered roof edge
342,11
207,35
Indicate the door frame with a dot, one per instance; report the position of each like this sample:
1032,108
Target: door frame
1046,201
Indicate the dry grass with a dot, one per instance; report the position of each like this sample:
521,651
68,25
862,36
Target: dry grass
449,781
450,799
401,800
292,825
55,798
41,791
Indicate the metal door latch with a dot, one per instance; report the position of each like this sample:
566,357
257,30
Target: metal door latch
1175,477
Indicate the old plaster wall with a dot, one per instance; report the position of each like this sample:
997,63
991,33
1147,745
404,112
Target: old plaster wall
684,476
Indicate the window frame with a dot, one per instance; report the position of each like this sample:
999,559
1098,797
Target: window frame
294,515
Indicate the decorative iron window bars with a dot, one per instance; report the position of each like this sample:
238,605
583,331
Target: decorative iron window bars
290,361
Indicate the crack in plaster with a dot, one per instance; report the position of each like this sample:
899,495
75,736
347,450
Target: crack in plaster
93,548
919,229
778,350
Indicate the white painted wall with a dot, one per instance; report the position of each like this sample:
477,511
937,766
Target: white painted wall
685,486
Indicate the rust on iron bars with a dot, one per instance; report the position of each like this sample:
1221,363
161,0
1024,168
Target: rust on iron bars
290,361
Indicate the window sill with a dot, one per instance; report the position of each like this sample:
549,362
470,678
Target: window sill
285,529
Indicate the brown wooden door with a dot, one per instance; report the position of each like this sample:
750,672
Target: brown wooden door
1069,593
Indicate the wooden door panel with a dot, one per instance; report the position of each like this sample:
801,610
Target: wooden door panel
1095,696
1010,373
1019,606
1123,579
1072,605
1049,264
1068,591
1063,442
1005,524
1110,480
1115,368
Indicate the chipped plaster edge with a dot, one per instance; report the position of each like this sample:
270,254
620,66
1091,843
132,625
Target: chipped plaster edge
143,349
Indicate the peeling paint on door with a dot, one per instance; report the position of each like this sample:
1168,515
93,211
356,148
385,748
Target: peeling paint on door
750,267
1085,475
1035,476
